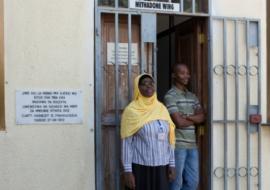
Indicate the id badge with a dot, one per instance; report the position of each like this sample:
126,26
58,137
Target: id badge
161,136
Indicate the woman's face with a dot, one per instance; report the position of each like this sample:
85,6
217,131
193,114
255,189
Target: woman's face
147,87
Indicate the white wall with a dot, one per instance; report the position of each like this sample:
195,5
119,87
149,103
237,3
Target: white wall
252,10
48,45
239,8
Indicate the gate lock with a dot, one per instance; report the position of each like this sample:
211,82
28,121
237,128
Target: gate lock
254,118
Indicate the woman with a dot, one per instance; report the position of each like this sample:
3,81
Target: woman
147,134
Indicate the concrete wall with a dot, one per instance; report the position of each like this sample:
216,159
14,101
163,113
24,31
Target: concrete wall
242,9
239,8
48,45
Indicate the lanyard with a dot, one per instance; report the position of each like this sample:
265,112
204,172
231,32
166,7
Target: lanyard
161,128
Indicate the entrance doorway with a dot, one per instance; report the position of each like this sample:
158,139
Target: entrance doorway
178,39
182,39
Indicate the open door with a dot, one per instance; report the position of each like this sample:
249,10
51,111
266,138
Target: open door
185,41
191,49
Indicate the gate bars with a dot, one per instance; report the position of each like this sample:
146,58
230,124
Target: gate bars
117,11
99,85
239,71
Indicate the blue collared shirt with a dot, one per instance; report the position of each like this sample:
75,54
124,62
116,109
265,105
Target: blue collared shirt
149,146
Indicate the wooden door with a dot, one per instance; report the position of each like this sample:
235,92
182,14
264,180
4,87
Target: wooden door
110,146
110,138
191,49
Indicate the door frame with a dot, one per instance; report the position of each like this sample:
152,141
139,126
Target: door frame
98,75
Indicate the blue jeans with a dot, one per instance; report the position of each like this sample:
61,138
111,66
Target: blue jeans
187,169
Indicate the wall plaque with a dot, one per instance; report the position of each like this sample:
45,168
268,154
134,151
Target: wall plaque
122,53
49,107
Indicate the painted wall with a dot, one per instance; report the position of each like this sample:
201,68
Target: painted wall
48,45
241,9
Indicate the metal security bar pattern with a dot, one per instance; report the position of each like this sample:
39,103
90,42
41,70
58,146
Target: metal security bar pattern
117,32
236,89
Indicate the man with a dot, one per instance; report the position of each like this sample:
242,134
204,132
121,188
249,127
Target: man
186,112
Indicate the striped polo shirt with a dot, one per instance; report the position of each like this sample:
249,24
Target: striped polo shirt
186,103
149,146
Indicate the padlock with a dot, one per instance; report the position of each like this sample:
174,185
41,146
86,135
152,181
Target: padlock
255,118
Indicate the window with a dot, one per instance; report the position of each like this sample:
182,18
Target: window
122,3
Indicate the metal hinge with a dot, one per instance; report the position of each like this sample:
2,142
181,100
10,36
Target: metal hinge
97,32
200,130
201,38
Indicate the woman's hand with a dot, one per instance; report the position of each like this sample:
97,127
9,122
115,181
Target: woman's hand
171,173
129,180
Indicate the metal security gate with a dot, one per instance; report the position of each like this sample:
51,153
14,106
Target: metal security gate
125,46
236,104
126,53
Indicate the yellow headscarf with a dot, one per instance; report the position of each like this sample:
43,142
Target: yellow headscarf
143,110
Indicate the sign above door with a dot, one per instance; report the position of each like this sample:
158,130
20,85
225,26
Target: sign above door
154,5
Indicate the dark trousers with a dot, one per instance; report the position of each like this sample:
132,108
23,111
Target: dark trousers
150,178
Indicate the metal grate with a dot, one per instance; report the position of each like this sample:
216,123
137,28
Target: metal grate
236,91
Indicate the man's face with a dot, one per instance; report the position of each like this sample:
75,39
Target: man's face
181,75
